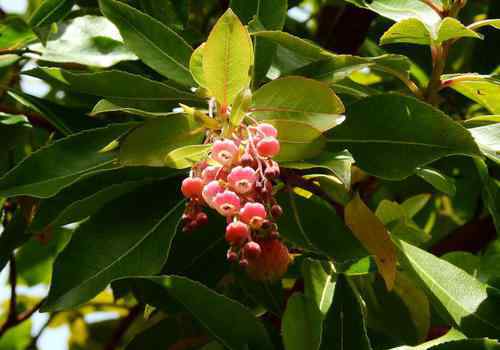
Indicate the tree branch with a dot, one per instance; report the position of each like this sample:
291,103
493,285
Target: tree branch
11,317
20,318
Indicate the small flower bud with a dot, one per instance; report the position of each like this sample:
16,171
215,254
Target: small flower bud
224,152
252,250
210,191
209,174
276,211
268,147
237,233
227,203
192,187
253,214
242,179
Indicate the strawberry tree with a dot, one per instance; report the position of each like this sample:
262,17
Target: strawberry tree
258,174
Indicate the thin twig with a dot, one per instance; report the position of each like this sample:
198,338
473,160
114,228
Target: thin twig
20,318
13,294
122,328
18,52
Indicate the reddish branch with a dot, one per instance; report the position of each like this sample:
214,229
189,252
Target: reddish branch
20,318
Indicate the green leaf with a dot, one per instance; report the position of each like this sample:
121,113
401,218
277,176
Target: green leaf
154,43
34,259
57,165
319,283
122,89
373,235
186,156
345,327
495,23
62,118
87,196
13,236
50,11
415,204
451,336
113,243
403,314
483,89
228,321
490,192
15,33
391,135
440,181
299,225
196,65
399,10
300,99
488,139
413,31
150,143
270,15
298,140
17,338
240,107
464,344
472,309
468,262
227,59
88,40
301,325
163,334
334,68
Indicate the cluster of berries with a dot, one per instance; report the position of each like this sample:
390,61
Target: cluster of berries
237,181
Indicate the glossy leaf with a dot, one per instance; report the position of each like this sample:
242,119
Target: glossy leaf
15,33
121,88
399,10
50,11
488,139
113,244
440,181
227,59
452,335
319,284
391,135
150,143
57,165
87,196
471,308
483,89
301,326
196,65
300,99
228,321
299,225
345,327
370,231
413,31
187,156
88,40
153,42
298,140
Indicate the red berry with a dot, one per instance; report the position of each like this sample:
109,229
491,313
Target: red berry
242,179
276,211
202,219
227,203
267,130
252,250
237,233
272,263
231,256
268,147
192,187
253,214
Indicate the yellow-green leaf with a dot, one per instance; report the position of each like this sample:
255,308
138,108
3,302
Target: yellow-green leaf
196,65
185,157
227,58
374,237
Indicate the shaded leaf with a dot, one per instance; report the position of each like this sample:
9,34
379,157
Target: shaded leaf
438,180
301,326
15,33
319,284
391,135
57,165
50,11
157,45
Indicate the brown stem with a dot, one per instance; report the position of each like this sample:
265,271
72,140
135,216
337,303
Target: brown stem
18,52
439,57
20,318
434,6
13,294
122,328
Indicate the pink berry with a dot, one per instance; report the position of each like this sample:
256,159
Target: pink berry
267,130
268,147
253,214
242,179
227,203
252,250
237,233
210,173
192,187
210,190
224,152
